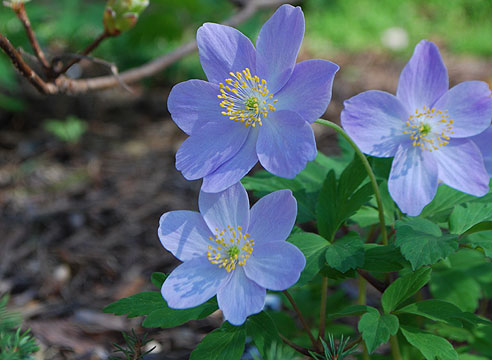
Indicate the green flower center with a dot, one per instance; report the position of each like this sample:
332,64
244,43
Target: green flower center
245,98
429,129
230,248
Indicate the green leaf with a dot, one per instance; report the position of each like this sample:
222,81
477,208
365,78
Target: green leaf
137,305
166,317
376,329
382,258
431,346
346,253
352,310
225,343
457,287
403,288
481,239
264,333
313,247
467,215
305,186
158,279
152,304
340,200
443,311
421,241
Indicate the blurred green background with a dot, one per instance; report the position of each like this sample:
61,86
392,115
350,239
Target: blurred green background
461,26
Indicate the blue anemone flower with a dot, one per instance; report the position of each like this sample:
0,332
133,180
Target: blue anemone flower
427,128
484,142
232,251
258,104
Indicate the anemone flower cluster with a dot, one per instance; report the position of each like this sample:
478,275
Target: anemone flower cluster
257,104
427,128
231,251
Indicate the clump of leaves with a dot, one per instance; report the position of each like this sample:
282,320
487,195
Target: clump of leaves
134,347
70,130
14,344
334,352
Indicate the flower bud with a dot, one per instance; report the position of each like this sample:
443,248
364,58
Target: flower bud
14,4
122,15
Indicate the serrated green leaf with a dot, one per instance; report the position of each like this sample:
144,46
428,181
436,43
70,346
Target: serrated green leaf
431,346
438,310
305,186
403,288
313,247
158,279
467,215
421,242
457,287
159,315
346,253
264,333
352,310
481,239
225,343
137,305
339,200
382,258
376,329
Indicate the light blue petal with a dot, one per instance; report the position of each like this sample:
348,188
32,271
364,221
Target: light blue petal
484,143
240,298
413,179
424,79
226,208
308,91
375,120
461,167
277,46
275,265
194,103
285,144
469,105
192,283
223,49
184,233
234,169
209,147
267,223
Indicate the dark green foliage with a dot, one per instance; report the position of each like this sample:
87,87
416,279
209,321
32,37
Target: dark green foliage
225,343
335,352
376,329
134,347
14,344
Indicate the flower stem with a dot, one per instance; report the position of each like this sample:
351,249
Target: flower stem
395,348
368,168
301,317
322,313
362,301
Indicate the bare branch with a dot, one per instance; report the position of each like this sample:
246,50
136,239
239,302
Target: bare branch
22,15
24,69
63,84
157,65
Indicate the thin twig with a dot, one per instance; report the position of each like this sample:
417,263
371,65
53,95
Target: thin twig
294,346
301,317
379,285
22,15
84,53
24,69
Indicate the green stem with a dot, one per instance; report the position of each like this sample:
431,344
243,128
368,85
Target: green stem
362,301
322,313
395,348
368,168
